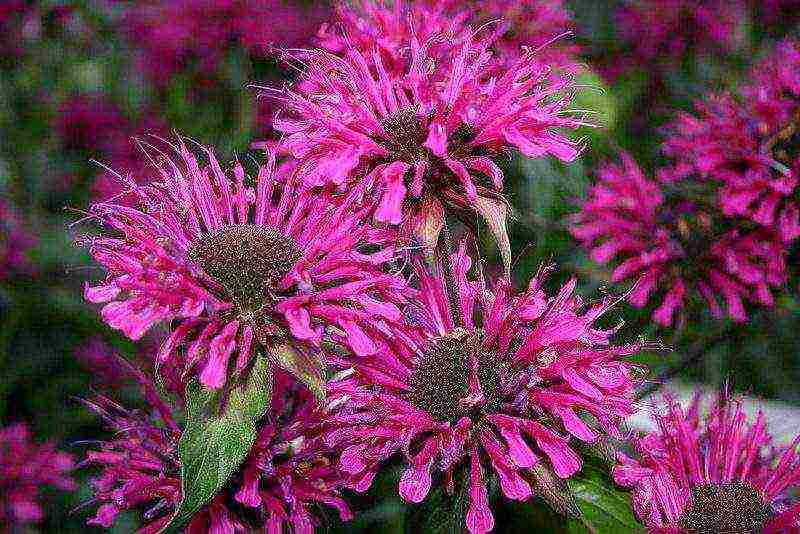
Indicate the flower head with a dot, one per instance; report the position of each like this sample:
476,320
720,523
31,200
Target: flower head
25,468
679,245
511,391
429,137
748,144
238,262
287,473
720,473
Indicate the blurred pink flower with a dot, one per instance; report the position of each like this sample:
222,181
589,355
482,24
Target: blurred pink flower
15,242
512,26
718,473
235,262
286,476
25,468
677,244
101,360
172,34
661,32
94,124
748,144
479,378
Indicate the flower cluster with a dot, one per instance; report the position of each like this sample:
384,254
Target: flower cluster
25,469
479,379
718,473
678,244
287,473
306,262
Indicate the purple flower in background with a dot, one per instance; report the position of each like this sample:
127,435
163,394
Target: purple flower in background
286,476
713,473
172,34
676,244
25,469
236,262
95,124
661,32
513,27
100,358
15,241
748,144
509,392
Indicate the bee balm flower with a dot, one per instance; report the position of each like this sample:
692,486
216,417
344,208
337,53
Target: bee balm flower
510,392
237,263
720,473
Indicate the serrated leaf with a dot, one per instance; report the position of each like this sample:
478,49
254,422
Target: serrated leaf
495,213
604,507
213,447
303,366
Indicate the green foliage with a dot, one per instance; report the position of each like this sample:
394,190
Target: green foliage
604,507
216,440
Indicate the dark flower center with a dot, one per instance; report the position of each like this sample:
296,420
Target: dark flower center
246,260
732,508
440,380
406,136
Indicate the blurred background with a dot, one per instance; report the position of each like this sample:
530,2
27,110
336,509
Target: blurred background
80,80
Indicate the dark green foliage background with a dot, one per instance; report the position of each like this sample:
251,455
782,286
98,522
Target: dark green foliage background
43,318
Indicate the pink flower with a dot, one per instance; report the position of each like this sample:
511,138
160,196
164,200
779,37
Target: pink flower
174,34
15,242
660,31
677,244
235,262
747,144
718,473
287,474
25,468
512,26
430,137
483,381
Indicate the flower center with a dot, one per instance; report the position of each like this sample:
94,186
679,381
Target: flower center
732,508
406,136
246,260
440,381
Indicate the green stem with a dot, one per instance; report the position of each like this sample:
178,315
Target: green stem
446,261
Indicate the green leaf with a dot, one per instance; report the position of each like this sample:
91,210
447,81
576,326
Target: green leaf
495,212
254,398
441,513
604,507
213,447
303,366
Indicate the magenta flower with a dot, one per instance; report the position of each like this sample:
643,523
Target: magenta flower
747,144
676,245
25,469
15,242
429,138
174,34
287,474
234,263
719,473
664,30
510,392
512,27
